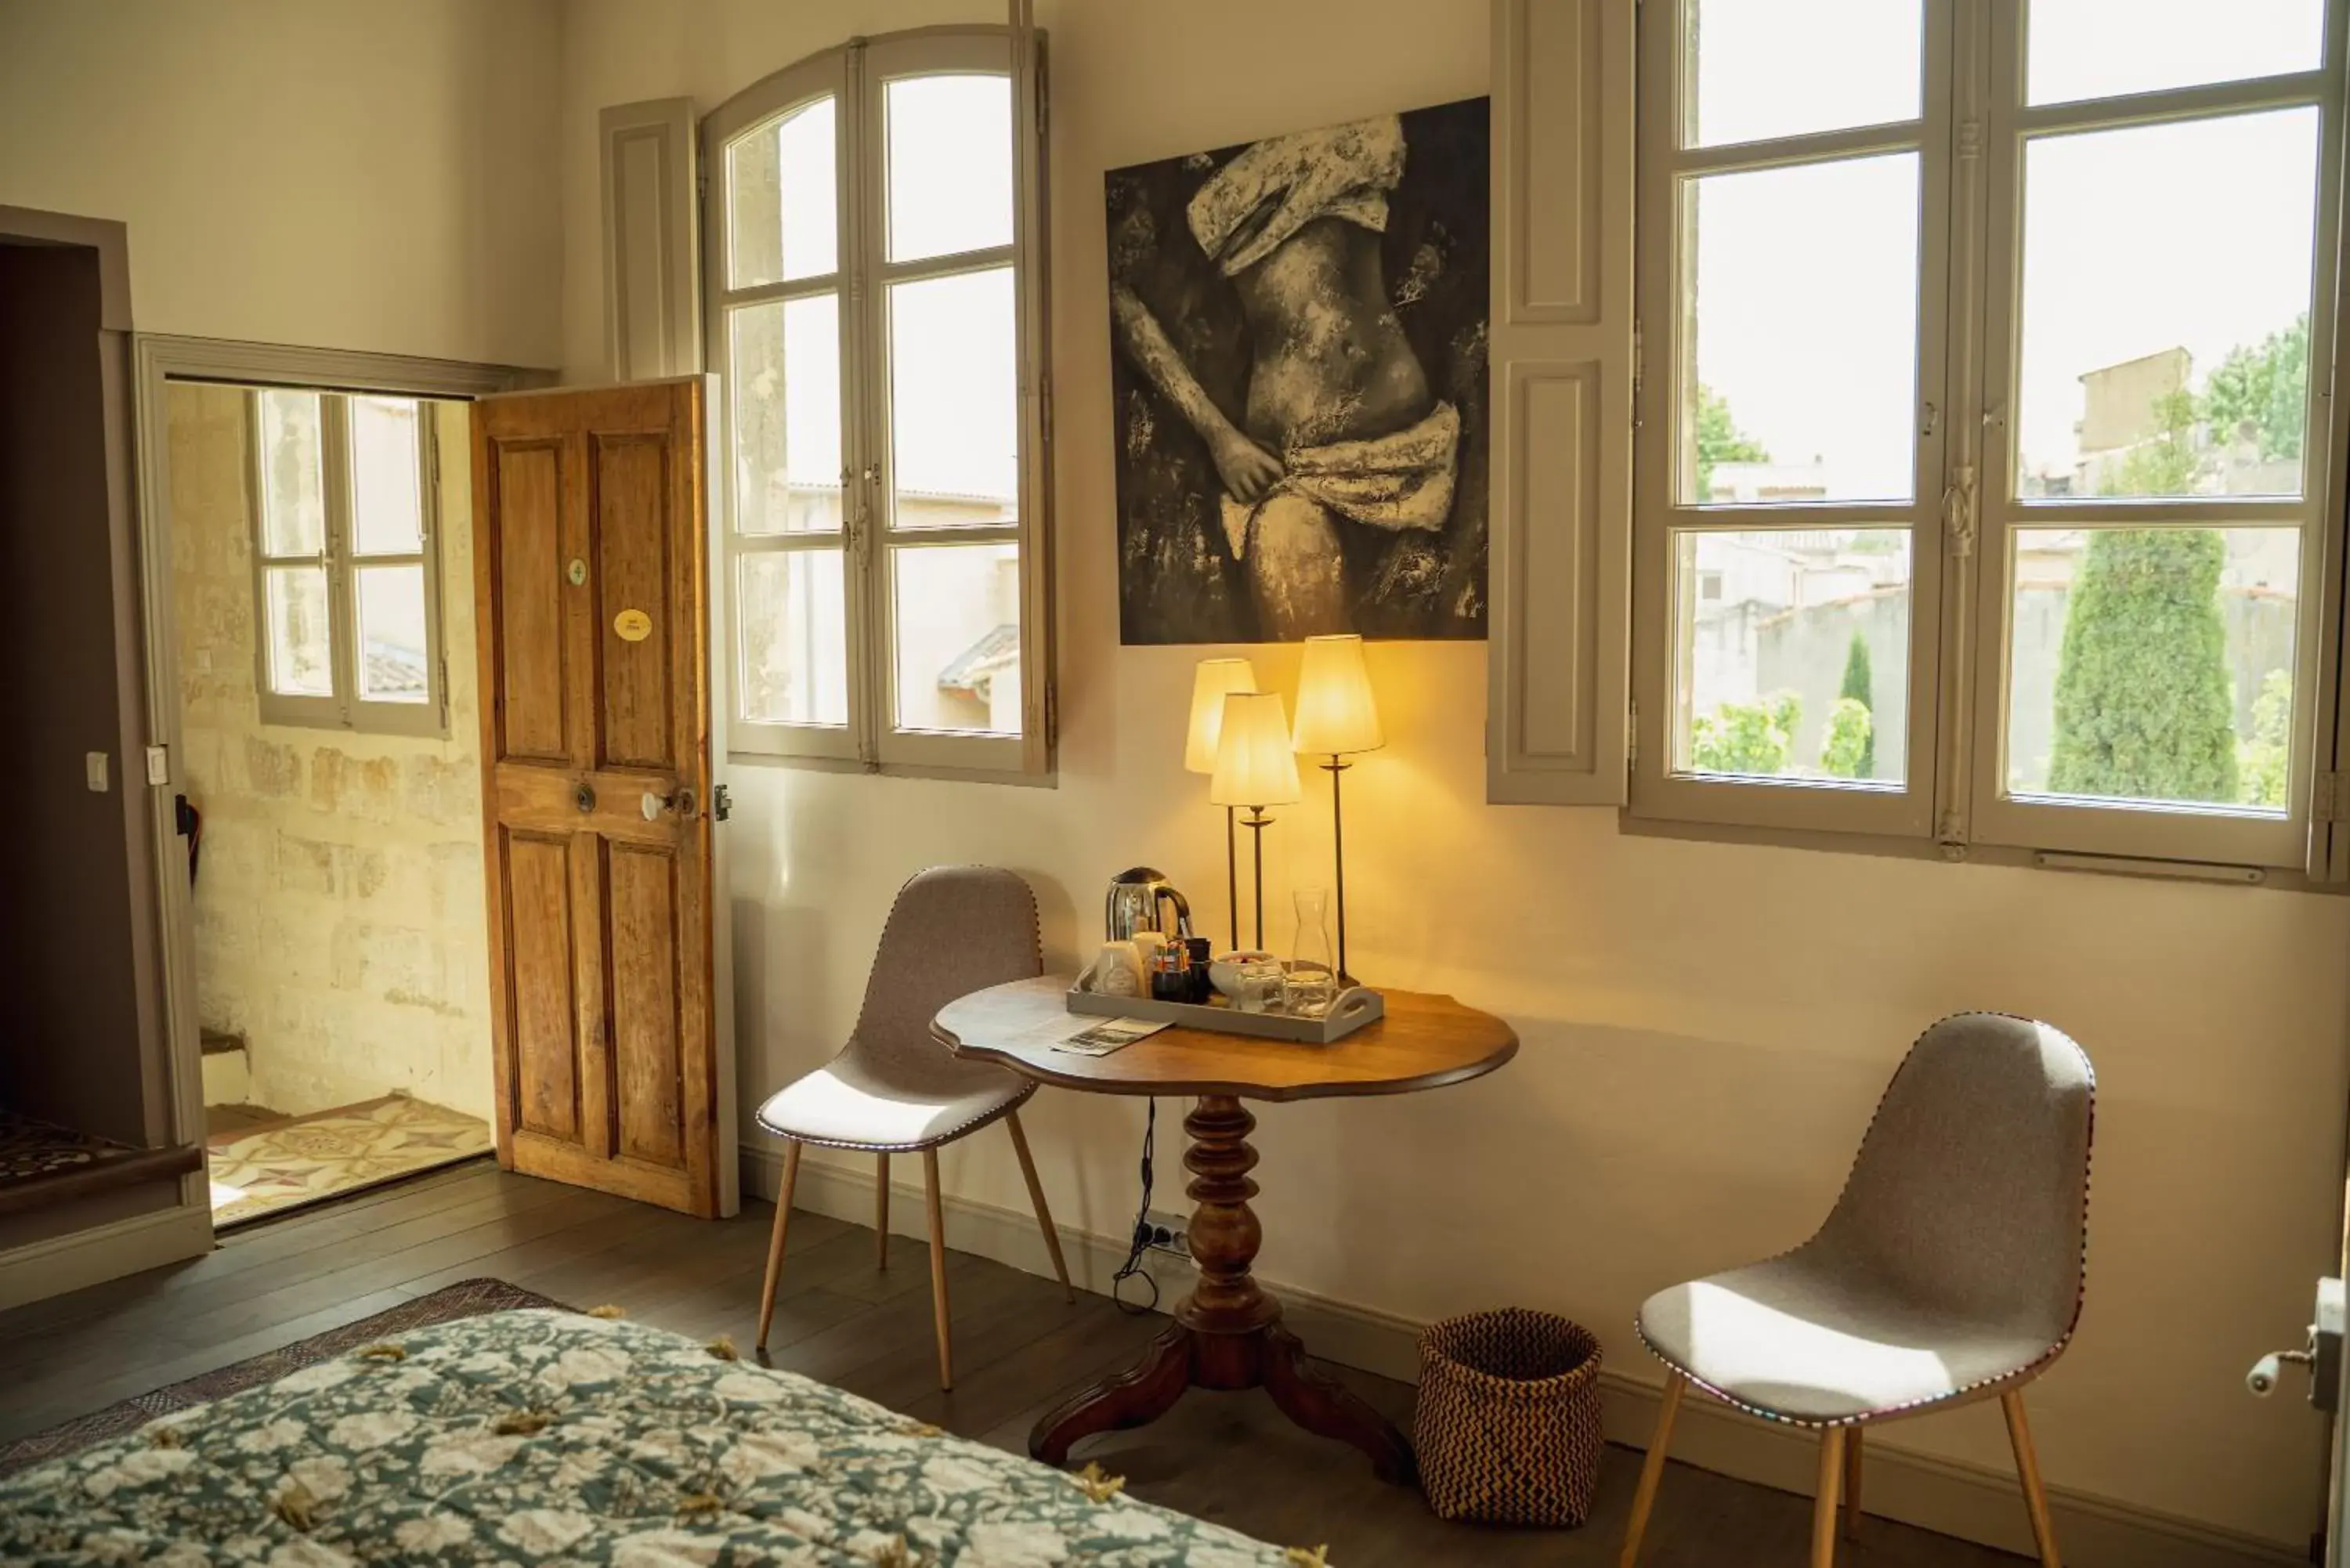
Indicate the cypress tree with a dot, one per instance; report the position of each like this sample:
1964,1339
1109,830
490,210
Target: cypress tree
2144,709
1859,684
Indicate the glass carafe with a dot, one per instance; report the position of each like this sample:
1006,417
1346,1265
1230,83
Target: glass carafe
1310,983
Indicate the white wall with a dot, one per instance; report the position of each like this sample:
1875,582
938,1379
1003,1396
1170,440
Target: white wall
336,173
338,924
1706,1026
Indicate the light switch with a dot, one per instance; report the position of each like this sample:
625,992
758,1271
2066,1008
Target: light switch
94,768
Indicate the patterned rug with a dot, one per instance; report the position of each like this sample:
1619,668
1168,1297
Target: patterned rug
30,1149
467,1298
272,1168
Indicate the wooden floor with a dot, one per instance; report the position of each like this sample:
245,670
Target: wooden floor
1018,1346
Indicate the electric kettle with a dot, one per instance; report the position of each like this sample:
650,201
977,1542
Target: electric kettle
1133,905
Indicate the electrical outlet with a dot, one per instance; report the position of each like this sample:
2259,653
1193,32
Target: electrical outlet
1168,1232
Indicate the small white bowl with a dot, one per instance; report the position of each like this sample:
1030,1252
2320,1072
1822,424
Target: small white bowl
1224,968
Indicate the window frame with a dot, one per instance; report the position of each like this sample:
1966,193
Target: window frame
1660,516
1973,129
856,77
337,555
2186,833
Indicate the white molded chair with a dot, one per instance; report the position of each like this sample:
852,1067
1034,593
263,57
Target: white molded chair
1951,1270
893,1089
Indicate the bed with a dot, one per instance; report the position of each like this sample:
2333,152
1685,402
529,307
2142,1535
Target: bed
543,1438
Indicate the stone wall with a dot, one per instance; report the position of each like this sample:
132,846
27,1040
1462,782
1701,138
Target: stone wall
340,923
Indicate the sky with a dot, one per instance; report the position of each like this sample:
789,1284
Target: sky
2135,240
953,356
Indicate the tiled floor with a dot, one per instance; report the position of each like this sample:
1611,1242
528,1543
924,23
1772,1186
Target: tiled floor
282,1164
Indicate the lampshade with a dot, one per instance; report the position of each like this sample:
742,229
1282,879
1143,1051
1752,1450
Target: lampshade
1254,765
1336,713
1215,678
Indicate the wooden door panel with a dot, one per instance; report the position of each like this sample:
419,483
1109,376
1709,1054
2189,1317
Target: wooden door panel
596,770
632,575
645,1023
545,1087
526,619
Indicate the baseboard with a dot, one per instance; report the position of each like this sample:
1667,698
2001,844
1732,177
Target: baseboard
1974,1502
61,1263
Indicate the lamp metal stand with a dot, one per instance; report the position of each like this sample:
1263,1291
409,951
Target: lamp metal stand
1256,822
1233,877
1335,767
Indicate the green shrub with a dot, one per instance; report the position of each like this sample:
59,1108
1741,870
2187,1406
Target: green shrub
2144,709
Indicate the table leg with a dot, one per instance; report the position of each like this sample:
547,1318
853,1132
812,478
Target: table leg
1227,1332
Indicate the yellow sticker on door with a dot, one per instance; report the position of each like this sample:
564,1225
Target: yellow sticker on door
633,625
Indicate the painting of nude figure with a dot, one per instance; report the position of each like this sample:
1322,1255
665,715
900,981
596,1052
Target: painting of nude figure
1298,365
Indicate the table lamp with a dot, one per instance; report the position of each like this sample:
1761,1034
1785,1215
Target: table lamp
1255,768
1209,684
1336,717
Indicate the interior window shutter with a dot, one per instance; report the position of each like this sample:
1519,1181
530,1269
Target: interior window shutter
1562,365
652,304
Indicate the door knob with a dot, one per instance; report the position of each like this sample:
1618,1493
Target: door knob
584,798
652,805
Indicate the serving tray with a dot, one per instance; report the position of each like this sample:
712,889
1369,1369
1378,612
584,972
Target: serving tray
1350,1010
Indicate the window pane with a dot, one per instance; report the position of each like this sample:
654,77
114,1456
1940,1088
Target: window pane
958,627
785,379
301,649
794,643
954,401
391,634
2097,48
387,504
2154,664
1793,658
2165,349
1805,322
950,165
293,501
1786,68
783,212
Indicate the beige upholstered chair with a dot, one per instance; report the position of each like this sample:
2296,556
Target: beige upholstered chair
1951,1270
893,1089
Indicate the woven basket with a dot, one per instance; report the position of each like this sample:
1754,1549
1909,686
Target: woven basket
1508,1421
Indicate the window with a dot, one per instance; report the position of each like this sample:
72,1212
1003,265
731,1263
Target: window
346,576
879,332
1980,462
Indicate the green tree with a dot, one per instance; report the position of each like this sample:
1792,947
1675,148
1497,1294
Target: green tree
1747,737
1859,686
2268,387
1849,751
2260,761
2164,465
2144,709
1718,439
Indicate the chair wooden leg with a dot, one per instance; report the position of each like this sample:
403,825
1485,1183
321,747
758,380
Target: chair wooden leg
938,1266
881,1212
1652,1471
776,1242
1852,1483
1036,1197
1824,1506
2027,1468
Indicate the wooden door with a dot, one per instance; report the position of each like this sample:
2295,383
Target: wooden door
591,586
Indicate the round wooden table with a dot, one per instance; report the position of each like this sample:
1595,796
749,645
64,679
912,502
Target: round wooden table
1227,1332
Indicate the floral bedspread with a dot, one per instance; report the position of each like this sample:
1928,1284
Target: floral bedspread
542,1438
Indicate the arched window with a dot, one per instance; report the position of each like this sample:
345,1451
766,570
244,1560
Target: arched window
870,217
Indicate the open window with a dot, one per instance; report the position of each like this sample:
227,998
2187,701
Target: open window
876,310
